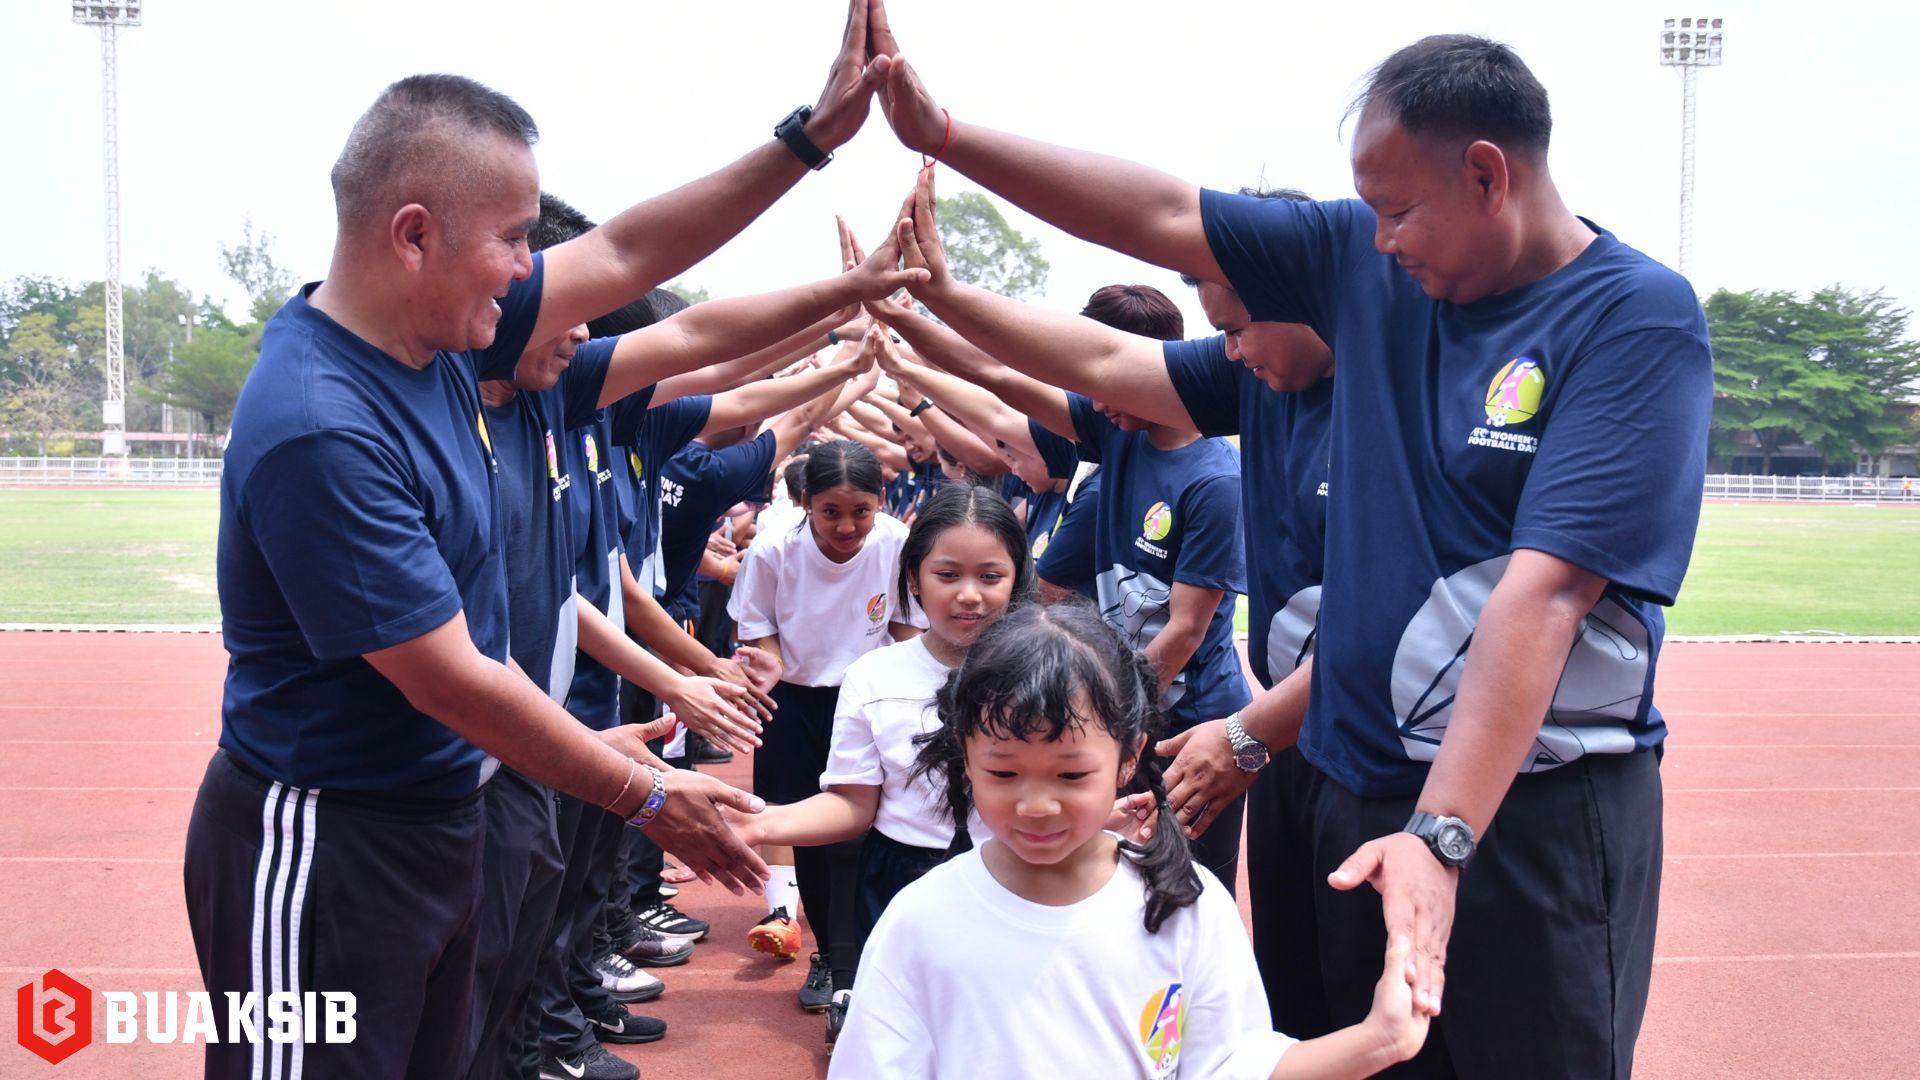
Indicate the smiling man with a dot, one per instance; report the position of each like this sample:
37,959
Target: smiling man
369,695
1519,436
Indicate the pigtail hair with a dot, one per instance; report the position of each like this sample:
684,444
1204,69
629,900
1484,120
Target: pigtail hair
1165,861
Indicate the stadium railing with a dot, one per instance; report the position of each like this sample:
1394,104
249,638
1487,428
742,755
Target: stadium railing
131,471
1850,489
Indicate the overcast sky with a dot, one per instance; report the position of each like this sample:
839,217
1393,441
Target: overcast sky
1808,163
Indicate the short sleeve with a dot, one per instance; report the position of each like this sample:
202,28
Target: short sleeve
1207,383
348,544
1094,430
884,1033
1059,453
1212,545
1281,255
1228,1028
519,310
585,378
1615,484
853,757
755,590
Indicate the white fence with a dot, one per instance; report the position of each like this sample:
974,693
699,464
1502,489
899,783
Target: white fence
131,471
1850,489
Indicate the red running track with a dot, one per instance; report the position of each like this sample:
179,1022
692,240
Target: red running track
1788,946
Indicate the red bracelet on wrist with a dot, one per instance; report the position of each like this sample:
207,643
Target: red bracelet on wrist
929,162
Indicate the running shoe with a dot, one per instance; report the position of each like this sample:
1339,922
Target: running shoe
624,982
837,1016
643,945
817,992
593,1064
672,923
614,1024
776,935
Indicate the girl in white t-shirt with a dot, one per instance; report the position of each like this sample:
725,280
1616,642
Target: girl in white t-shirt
819,596
964,562
1056,948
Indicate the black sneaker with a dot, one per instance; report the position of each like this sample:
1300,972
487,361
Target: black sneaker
817,992
642,944
614,1024
837,1016
595,1063
706,753
672,923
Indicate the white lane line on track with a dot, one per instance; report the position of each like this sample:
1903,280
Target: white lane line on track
1797,855
27,788
88,859
1749,790
1785,958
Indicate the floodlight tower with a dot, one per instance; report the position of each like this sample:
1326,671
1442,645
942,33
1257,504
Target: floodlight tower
1688,44
110,16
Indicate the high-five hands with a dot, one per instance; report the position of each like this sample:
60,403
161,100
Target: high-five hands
916,120
848,95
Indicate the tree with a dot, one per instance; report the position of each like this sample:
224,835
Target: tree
689,293
251,265
982,249
43,391
1822,371
207,373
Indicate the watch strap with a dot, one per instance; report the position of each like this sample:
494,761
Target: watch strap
793,132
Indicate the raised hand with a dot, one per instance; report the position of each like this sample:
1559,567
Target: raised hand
762,668
916,120
851,81
879,275
732,670
918,234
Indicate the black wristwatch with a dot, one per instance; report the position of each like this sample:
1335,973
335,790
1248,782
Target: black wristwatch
925,404
793,132
1449,838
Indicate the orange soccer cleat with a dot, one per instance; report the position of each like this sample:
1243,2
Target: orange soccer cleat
776,935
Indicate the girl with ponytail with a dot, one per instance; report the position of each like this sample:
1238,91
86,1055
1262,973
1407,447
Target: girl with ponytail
1057,948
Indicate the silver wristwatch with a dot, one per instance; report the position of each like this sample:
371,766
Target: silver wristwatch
1248,752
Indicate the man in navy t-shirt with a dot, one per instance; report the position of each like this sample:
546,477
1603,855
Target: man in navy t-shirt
368,694
1518,441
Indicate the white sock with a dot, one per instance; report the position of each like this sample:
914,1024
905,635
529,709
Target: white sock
782,889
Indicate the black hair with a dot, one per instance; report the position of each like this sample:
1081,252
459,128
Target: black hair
965,504
559,222
415,141
844,462
1254,191
795,476
1463,86
1136,309
1039,672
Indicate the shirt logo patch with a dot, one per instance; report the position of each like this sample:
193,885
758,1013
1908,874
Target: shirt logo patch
1161,1022
1513,397
480,425
877,608
1159,522
560,483
593,451
1040,544
639,470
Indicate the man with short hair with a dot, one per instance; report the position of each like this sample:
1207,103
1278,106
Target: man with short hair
369,696
1519,437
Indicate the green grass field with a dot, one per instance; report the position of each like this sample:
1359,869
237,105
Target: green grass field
147,557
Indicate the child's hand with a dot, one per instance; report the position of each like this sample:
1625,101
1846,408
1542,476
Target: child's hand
1400,1028
1133,817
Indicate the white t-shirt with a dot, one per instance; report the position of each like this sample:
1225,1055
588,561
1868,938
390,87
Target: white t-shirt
962,978
886,702
827,614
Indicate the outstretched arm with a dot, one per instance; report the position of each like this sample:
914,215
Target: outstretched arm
1126,371
654,240
1112,202
770,396
719,378
966,447
719,329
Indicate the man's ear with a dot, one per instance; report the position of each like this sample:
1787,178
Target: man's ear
1487,169
410,231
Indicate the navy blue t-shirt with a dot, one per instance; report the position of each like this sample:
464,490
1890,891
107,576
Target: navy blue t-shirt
696,487
649,439
927,479
1568,416
899,492
357,513
1168,517
1283,492
1045,511
1068,561
531,492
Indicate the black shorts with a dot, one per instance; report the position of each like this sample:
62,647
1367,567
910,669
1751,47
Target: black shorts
1552,946
793,751
293,890
886,867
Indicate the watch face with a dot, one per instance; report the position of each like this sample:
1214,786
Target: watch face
1453,842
